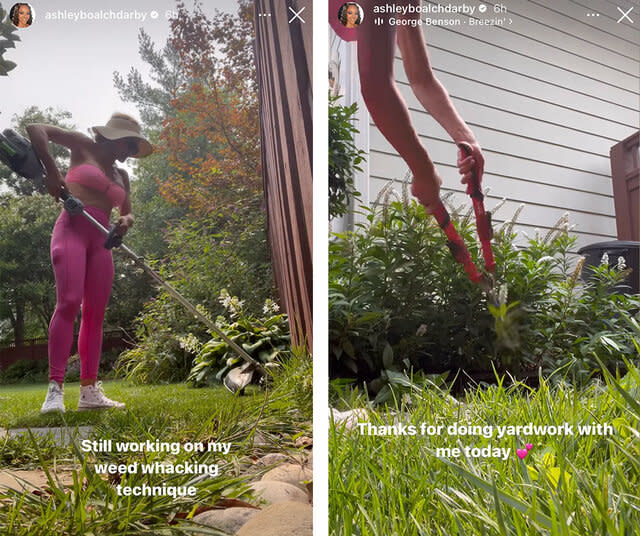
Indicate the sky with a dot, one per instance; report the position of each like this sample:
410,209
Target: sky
69,64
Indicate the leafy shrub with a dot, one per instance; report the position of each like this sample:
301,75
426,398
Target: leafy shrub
398,301
26,371
265,338
159,357
344,156
292,383
213,252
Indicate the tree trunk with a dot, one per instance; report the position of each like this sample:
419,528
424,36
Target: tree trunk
18,325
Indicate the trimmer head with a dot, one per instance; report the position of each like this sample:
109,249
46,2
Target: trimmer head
17,153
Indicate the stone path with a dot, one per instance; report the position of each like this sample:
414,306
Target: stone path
282,495
60,435
283,499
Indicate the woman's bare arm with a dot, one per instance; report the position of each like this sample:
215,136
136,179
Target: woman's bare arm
435,98
40,136
125,221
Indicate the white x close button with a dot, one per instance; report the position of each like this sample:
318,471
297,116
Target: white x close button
296,15
625,14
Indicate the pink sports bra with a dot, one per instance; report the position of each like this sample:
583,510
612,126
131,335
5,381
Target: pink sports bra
93,177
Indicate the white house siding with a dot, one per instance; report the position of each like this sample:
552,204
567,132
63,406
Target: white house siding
546,97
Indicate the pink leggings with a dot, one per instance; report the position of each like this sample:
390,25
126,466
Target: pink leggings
84,273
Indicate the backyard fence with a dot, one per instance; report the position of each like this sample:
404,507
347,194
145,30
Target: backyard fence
36,349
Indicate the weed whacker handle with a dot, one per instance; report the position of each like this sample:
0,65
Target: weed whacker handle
114,240
71,204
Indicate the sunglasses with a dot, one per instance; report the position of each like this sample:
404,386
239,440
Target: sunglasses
132,146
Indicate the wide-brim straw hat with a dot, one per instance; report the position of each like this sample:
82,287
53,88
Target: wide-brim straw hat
122,126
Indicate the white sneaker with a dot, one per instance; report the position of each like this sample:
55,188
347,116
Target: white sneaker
54,400
93,397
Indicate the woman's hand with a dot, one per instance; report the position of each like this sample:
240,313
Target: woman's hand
470,164
426,189
123,224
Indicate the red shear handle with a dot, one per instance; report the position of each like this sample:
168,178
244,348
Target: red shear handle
456,245
483,219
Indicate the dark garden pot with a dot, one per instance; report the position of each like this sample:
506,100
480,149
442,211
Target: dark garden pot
614,249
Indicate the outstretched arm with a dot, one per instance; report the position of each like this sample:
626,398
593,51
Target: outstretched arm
435,98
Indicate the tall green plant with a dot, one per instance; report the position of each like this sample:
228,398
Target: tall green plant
344,157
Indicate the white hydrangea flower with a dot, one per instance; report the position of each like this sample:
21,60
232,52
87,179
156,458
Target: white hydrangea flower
604,261
622,263
270,307
225,298
190,343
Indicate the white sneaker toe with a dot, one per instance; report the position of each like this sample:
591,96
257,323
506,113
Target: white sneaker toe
93,397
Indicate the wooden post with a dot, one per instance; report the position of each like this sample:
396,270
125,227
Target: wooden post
625,175
284,61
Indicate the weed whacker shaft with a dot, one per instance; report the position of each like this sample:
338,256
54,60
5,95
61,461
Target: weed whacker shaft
75,207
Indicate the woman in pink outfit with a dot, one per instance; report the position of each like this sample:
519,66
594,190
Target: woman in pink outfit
83,267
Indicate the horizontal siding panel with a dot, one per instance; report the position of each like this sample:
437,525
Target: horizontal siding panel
564,68
576,34
533,175
526,152
552,196
528,107
598,228
527,85
476,114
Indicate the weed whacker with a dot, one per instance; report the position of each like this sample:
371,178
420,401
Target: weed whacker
18,154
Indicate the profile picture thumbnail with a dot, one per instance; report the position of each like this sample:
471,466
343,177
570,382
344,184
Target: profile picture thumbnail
21,15
350,15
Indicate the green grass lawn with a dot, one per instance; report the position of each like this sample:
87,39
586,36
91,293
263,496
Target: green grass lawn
565,486
174,405
257,423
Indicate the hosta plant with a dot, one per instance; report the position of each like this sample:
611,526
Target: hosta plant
265,338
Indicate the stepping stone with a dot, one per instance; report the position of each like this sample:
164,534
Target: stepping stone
36,479
272,459
274,491
61,435
282,519
290,472
227,520
350,418
304,442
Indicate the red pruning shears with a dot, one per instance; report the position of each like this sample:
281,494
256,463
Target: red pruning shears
485,232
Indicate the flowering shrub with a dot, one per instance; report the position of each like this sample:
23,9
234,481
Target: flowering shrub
398,301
